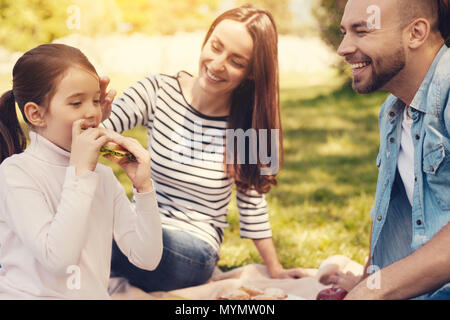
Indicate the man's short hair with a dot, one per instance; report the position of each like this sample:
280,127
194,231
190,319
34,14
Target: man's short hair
444,19
437,12
410,10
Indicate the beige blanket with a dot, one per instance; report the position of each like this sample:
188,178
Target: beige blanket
254,275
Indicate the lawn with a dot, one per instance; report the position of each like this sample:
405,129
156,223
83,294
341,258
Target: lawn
327,184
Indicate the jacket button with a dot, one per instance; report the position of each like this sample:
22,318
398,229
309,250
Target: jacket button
379,218
392,140
392,114
419,222
432,169
417,137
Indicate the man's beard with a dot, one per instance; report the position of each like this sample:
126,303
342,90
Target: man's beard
394,64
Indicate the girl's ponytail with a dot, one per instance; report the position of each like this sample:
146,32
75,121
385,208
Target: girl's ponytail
444,19
12,138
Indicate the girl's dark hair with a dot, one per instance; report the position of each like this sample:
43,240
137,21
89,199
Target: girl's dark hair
255,103
35,78
12,138
444,19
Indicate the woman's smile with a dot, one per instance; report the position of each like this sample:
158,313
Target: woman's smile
213,78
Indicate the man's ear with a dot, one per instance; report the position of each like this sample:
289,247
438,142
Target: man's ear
35,115
418,33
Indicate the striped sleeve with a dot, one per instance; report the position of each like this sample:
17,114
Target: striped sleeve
135,107
253,215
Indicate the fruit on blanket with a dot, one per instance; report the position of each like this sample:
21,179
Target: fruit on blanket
332,294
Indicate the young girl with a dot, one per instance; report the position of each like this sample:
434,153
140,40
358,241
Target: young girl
59,208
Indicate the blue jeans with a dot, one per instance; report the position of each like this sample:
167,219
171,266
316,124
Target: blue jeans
186,261
395,238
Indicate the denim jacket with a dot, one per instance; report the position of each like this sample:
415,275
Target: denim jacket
430,111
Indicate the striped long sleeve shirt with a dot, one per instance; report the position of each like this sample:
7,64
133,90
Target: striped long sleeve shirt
187,158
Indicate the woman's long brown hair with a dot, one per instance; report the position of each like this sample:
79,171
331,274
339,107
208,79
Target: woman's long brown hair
35,78
255,103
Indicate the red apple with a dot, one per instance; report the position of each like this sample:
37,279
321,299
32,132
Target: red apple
332,294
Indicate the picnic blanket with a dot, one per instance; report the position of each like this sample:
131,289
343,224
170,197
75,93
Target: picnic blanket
255,275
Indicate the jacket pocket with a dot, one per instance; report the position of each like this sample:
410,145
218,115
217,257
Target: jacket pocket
436,165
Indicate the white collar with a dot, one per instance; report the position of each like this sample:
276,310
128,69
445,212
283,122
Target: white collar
47,151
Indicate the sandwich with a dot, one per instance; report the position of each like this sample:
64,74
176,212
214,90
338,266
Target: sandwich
117,151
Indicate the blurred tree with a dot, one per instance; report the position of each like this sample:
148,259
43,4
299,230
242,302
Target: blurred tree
97,17
329,14
168,17
135,13
27,23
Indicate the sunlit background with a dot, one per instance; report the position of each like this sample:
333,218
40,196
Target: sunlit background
326,188
140,36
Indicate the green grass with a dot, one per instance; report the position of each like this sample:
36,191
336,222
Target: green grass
327,184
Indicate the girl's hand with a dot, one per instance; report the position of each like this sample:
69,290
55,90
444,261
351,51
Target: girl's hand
138,171
86,146
106,98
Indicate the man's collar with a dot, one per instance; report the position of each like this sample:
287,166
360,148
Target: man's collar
420,99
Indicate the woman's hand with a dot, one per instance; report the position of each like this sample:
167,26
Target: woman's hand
106,98
294,273
85,147
138,171
267,251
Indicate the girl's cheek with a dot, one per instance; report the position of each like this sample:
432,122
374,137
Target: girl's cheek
99,116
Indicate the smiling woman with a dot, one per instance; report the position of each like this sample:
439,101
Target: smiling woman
224,64
254,101
237,88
